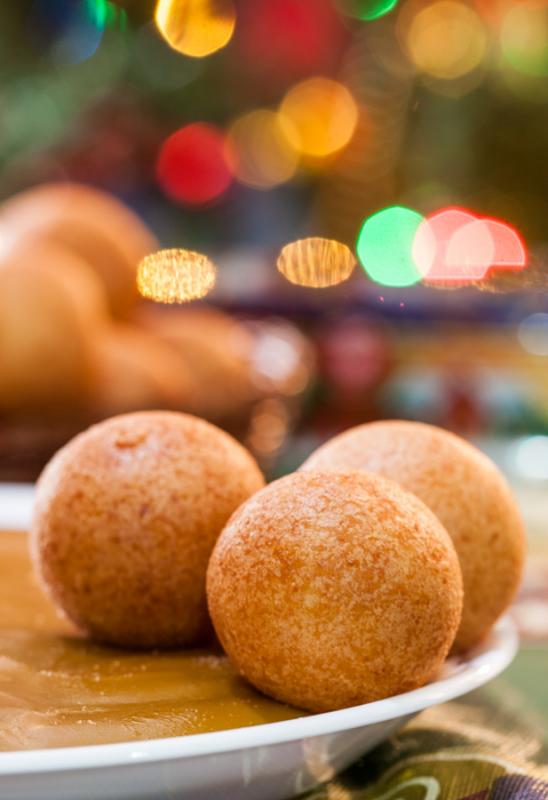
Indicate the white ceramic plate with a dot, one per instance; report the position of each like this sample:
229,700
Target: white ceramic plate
265,762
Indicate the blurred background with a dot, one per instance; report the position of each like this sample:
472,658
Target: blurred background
415,133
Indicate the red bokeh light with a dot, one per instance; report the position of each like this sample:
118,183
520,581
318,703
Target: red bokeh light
470,252
192,166
432,242
290,38
454,245
510,251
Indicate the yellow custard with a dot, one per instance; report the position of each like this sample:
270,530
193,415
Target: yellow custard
58,689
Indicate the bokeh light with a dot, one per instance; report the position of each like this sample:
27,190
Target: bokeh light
454,245
316,262
533,334
322,116
192,165
367,10
470,251
175,276
283,358
524,37
196,28
79,37
268,427
431,244
284,40
446,39
531,458
260,152
105,14
385,246
510,251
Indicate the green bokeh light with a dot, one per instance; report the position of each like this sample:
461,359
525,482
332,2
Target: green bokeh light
104,14
368,10
385,246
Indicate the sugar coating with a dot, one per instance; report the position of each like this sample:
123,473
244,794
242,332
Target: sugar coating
466,492
328,590
125,519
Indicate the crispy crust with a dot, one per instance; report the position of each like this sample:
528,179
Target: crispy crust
330,590
125,519
464,489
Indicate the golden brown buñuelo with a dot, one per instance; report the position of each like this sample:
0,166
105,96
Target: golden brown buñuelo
51,306
215,349
125,519
330,590
134,370
86,221
466,492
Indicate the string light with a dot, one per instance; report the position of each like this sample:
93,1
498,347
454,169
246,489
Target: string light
175,276
316,262
196,28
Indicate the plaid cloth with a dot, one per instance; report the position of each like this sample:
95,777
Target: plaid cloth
491,745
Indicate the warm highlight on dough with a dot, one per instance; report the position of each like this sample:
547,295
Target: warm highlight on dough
125,519
331,590
466,492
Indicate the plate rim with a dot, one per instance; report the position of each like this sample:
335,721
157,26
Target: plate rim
480,666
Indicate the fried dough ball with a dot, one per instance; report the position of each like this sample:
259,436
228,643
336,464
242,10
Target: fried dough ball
126,516
135,371
89,222
331,590
51,305
216,349
466,492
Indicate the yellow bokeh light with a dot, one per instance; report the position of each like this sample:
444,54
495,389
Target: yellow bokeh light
175,276
259,150
196,28
524,37
321,116
316,262
446,40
